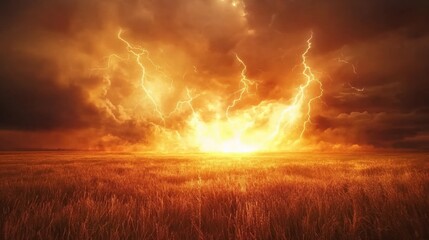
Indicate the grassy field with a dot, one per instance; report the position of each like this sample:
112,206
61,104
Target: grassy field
78,195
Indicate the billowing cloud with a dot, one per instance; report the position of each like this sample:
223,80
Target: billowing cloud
33,99
57,80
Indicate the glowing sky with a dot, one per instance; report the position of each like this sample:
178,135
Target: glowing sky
68,80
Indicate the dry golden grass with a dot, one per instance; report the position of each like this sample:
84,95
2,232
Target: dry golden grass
290,196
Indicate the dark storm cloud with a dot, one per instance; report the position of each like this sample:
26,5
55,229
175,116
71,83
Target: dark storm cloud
40,88
386,39
393,73
392,109
387,42
37,93
32,99
207,30
378,129
338,22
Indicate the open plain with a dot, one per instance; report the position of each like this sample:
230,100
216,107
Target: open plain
87,195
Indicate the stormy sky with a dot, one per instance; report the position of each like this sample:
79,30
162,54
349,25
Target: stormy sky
372,57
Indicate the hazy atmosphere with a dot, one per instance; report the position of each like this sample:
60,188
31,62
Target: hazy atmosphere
214,119
167,75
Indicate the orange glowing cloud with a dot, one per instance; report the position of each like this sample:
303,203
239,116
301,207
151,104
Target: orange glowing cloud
213,76
227,124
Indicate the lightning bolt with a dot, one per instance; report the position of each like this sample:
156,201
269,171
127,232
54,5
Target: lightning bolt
309,79
341,60
354,68
299,98
356,89
188,102
138,52
245,82
263,126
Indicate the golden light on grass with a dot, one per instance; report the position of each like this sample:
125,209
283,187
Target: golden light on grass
83,195
214,120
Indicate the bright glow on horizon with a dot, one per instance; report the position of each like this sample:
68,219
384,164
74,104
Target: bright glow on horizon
224,126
